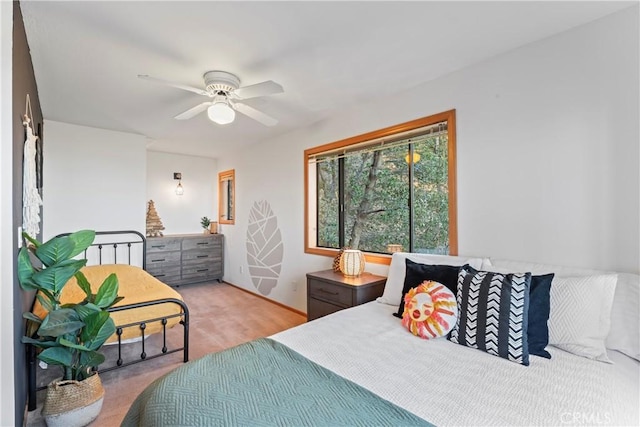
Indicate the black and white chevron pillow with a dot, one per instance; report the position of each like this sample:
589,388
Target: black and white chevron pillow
493,313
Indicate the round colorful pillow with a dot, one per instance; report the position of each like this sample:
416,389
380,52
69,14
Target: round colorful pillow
430,310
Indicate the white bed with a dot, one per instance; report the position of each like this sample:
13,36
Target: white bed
439,381
448,384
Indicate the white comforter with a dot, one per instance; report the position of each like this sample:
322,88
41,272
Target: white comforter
448,384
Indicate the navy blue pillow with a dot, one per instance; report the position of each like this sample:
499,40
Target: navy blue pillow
539,307
418,273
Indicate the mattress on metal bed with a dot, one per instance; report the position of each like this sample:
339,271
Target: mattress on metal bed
149,308
136,286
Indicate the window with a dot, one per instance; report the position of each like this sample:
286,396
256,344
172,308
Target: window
227,197
388,190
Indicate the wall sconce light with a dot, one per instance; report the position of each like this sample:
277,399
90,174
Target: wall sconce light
352,263
179,189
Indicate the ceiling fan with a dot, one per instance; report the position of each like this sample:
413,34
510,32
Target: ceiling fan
226,97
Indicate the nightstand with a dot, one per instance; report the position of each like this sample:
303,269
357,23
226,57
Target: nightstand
328,291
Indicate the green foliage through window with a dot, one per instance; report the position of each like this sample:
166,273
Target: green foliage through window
370,198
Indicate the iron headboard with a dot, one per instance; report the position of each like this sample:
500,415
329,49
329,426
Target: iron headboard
128,239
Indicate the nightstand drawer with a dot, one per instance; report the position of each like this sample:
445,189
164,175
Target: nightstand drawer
330,292
320,308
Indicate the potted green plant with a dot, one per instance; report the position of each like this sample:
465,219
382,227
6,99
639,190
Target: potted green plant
72,333
205,222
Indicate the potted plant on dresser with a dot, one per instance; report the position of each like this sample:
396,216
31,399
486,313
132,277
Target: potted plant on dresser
205,223
72,332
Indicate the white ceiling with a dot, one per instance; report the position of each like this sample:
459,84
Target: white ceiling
328,56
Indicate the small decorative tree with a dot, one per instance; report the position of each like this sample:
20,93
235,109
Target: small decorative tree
154,224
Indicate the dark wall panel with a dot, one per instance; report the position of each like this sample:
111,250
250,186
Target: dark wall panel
24,83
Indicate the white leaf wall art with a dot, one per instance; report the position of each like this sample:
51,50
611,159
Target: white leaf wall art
264,247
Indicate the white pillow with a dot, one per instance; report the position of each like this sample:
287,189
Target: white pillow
624,335
580,315
538,268
397,270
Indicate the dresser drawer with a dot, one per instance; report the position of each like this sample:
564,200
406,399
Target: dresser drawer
163,245
203,243
182,259
330,292
201,271
168,268
162,258
195,257
170,277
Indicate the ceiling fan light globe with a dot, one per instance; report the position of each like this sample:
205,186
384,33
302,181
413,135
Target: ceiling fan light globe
221,113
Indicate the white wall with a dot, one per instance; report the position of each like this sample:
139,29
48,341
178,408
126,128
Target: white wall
273,172
548,157
102,179
93,178
181,214
548,160
7,398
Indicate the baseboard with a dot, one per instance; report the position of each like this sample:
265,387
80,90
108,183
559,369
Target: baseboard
267,299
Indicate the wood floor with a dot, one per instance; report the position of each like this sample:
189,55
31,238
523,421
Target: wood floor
222,316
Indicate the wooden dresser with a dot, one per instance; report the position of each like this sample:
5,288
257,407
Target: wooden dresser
328,292
186,258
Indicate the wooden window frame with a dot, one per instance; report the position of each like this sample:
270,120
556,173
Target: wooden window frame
228,175
448,116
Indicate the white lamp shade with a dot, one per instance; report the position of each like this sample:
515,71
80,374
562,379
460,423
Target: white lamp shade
179,189
352,262
221,113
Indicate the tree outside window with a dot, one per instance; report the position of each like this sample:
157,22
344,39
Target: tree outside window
395,190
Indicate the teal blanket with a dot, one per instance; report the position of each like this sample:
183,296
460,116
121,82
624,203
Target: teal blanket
261,383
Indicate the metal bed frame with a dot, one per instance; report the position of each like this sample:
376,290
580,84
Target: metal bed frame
139,239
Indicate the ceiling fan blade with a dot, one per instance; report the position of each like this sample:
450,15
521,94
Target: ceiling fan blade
193,111
176,85
254,114
259,89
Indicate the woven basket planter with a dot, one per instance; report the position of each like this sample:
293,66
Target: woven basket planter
73,403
